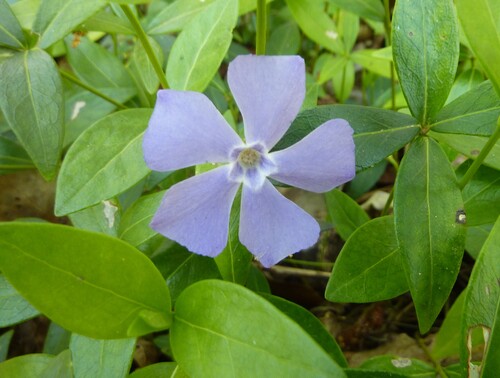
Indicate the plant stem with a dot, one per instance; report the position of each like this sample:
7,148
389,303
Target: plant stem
73,79
482,155
141,34
260,48
437,365
387,27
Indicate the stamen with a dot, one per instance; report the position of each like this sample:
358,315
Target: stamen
249,158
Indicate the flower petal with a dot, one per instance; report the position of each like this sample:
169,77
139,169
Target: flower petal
186,129
321,161
269,91
195,212
273,227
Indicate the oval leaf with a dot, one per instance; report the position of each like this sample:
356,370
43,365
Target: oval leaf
29,365
104,161
425,50
88,283
13,307
233,331
11,33
426,201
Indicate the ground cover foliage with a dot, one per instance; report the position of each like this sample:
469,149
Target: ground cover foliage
410,246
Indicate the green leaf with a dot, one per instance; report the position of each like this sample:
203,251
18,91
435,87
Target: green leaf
32,103
426,48
470,146
61,367
467,80
25,11
103,217
330,68
221,329
144,67
316,24
370,9
104,161
101,358
4,344
367,373
51,265
11,33
257,281
343,81
377,132
426,201
13,307
348,26
56,18
408,367
473,113
311,324
107,22
476,237
13,157
29,365
158,370
480,22
175,16
345,214
182,268
369,267
57,339
491,362
284,40
200,48
372,61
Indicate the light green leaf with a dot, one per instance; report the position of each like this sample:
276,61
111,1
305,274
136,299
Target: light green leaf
316,24
377,132
221,329
104,161
343,82
29,365
13,157
426,201
107,22
32,103
345,214
13,307
473,113
11,33
57,339
26,11
101,358
348,26
61,367
370,9
200,48
467,80
330,68
491,363
4,344
391,364
369,267
144,67
470,146
56,18
158,370
480,22
284,40
425,47
65,273
371,60
103,217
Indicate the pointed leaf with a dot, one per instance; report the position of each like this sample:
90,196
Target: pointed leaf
5,339
13,307
65,273
372,10
369,267
425,47
200,48
60,366
29,365
104,161
431,238
11,33
222,329
32,103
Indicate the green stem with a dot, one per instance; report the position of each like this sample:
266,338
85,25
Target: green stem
73,79
387,27
437,365
141,34
482,155
261,27
387,205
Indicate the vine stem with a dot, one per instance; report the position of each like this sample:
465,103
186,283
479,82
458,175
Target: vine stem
91,89
260,48
437,365
480,158
143,37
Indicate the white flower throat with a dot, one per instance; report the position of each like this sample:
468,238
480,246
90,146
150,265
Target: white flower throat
251,165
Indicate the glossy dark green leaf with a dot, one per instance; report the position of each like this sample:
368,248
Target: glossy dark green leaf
29,365
4,344
284,40
200,48
158,370
56,18
426,201
470,146
32,103
101,358
229,328
13,157
316,24
369,267
104,161
66,274
480,22
425,48
311,324
370,9
377,132
11,33
474,113
13,307
345,214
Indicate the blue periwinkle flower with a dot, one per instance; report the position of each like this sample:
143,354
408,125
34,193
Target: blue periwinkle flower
186,129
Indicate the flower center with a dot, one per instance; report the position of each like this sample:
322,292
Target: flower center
249,158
